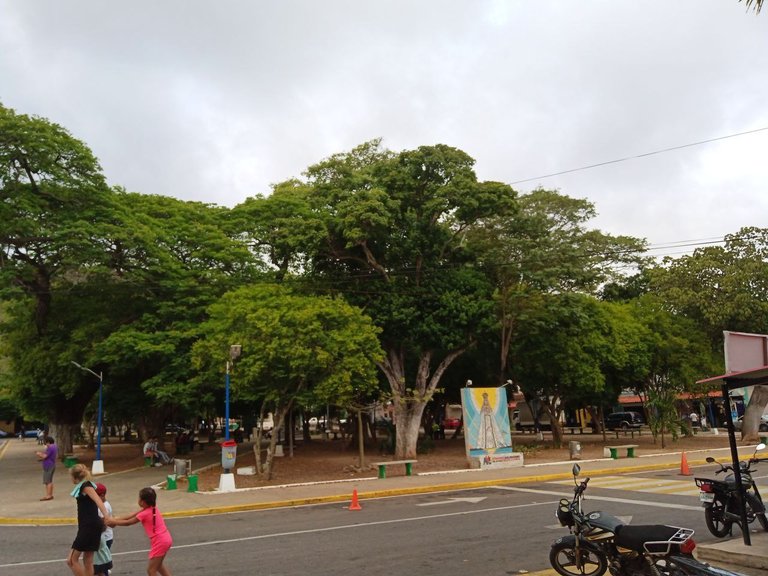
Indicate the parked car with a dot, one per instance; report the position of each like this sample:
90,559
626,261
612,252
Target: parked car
763,423
623,420
4,434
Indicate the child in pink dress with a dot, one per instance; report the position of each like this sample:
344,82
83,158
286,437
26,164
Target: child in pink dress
154,525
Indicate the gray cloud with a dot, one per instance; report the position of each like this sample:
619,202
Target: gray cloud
216,101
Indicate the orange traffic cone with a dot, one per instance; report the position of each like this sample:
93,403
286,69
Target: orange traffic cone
355,505
684,470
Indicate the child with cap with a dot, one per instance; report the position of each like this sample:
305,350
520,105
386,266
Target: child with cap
102,560
101,490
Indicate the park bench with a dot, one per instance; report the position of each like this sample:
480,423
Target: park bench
630,431
383,466
574,428
613,451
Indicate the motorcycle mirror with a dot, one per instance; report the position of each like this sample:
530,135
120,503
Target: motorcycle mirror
759,447
576,469
710,460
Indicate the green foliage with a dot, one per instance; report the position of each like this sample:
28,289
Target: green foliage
720,287
544,246
291,343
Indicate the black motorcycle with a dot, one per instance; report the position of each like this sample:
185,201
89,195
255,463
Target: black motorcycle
720,498
600,542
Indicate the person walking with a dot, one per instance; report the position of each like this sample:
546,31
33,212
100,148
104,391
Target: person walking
102,560
48,459
89,525
101,490
155,528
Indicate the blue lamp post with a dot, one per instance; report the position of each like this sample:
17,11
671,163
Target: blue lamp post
234,354
100,467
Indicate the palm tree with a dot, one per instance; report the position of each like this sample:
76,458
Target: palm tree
758,4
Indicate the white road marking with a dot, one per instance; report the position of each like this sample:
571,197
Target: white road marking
453,501
651,485
601,498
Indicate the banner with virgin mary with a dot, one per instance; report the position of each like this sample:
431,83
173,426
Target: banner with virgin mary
487,434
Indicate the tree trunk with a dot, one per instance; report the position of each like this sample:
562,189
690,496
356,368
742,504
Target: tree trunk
750,423
360,439
279,417
551,406
63,434
409,401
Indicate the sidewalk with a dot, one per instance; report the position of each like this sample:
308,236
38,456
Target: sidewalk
21,477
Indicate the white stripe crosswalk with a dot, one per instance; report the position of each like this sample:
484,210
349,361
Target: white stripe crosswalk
650,485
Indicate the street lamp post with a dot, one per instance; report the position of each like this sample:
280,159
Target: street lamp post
234,354
227,479
98,464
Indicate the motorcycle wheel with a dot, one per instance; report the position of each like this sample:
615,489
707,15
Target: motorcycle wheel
763,521
714,516
754,503
562,557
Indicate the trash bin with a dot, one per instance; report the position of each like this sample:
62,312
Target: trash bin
70,460
228,454
181,466
574,448
192,487
171,484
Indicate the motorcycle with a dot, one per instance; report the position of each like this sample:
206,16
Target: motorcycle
600,542
721,500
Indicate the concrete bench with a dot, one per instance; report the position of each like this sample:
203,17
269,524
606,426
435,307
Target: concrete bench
630,431
574,428
613,451
383,466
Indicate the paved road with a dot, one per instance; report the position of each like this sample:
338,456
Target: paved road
495,530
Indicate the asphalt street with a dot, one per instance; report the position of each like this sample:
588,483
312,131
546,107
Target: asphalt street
494,530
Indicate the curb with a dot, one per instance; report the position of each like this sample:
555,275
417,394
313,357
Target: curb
376,494
372,494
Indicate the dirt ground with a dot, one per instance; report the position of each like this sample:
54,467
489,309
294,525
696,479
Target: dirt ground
320,459
333,460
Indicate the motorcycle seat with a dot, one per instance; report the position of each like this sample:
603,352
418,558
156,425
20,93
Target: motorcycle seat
636,537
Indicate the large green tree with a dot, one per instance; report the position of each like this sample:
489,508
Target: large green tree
723,288
394,229
568,340
670,351
544,247
53,207
115,281
291,344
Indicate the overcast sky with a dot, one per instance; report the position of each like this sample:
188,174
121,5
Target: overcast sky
217,100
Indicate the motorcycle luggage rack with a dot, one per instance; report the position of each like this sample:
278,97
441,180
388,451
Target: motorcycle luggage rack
665,546
708,482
